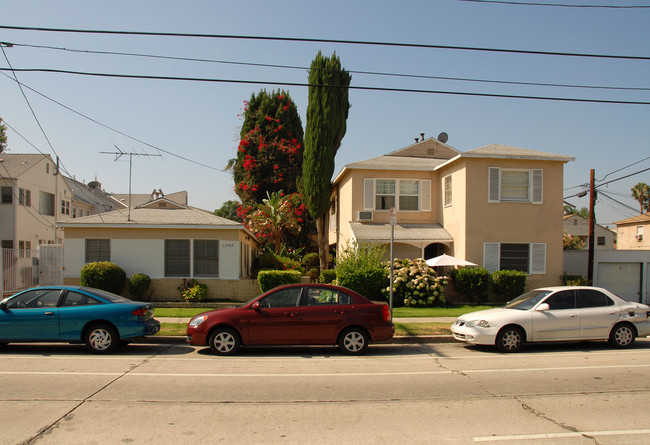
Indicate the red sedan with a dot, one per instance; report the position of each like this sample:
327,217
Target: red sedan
295,314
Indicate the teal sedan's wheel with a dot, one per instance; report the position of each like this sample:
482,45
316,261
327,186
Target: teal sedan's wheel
101,339
224,341
510,339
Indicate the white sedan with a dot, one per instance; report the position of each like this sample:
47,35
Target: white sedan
556,314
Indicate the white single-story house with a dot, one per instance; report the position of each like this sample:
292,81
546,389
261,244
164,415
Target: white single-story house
171,243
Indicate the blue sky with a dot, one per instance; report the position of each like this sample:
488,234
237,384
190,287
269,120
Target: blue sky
199,121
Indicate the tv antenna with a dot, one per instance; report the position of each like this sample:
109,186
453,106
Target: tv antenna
118,155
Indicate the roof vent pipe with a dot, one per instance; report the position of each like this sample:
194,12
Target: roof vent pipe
422,134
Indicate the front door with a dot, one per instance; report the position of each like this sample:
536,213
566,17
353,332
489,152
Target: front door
278,319
31,315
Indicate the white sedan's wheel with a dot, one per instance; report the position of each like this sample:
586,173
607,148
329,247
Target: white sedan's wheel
622,336
510,339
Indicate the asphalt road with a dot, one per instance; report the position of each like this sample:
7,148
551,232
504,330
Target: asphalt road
583,393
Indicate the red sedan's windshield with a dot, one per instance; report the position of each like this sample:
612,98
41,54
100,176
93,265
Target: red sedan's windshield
528,300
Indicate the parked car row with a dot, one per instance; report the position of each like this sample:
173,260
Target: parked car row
316,314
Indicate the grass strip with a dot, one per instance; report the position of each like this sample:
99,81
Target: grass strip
401,329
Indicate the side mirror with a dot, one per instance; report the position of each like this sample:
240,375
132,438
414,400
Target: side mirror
256,306
3,304
543,307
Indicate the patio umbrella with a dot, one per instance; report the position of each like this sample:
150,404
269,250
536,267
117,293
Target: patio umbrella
448,260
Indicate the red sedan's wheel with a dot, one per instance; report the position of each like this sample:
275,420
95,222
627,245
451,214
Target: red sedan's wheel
353,341
224,341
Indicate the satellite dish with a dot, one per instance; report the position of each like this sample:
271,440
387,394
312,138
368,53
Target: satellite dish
443,137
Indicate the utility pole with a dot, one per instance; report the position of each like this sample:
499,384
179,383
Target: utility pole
118,155
592,204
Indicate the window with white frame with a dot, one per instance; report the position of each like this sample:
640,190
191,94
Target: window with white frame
177,258
515,185
403,194
206,258
65,207
524,257
98,250
25,197
7,195
384,194
446,183
45,203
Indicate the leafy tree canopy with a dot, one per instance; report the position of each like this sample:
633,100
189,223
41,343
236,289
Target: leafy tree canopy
228,210
3,136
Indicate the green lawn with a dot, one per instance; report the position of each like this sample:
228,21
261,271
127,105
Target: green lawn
398,312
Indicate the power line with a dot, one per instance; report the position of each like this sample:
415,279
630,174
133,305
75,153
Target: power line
108,128
303,68
30,106
297,84
313,40
557,5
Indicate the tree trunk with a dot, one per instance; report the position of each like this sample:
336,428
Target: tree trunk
322,225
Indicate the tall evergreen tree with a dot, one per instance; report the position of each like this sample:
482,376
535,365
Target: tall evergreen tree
327,112
269,156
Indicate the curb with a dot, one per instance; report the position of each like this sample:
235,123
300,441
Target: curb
175,340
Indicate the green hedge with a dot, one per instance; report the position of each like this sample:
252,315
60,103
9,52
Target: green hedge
103,275
508,283
327,276
270,279
139,283
473,282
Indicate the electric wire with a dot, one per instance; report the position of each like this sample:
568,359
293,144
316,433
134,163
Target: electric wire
315,40
303,68
351,87
111,128
32,109
556,5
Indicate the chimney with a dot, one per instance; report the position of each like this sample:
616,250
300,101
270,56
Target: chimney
416,140
422,134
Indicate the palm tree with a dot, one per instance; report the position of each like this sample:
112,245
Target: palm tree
641,192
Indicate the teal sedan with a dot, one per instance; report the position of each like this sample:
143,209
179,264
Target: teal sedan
74,314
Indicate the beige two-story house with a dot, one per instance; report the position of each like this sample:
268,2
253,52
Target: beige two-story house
496,206
633,233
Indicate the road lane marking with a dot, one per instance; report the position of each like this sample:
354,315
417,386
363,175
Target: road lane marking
326,374
560,435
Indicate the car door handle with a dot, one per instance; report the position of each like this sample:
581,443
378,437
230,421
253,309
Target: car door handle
339,312
290,314
49,313
573,315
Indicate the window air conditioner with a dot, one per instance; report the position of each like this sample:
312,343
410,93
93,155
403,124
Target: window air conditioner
364,216
638,237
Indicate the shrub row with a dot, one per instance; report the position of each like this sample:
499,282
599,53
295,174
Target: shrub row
112,278
476,282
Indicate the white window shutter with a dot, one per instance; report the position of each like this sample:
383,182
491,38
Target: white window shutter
368,194
538,186
491,256
538,258
494,184
425,195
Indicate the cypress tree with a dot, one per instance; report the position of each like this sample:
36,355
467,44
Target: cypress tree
327,112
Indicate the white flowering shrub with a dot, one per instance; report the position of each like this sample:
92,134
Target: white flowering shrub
416,284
